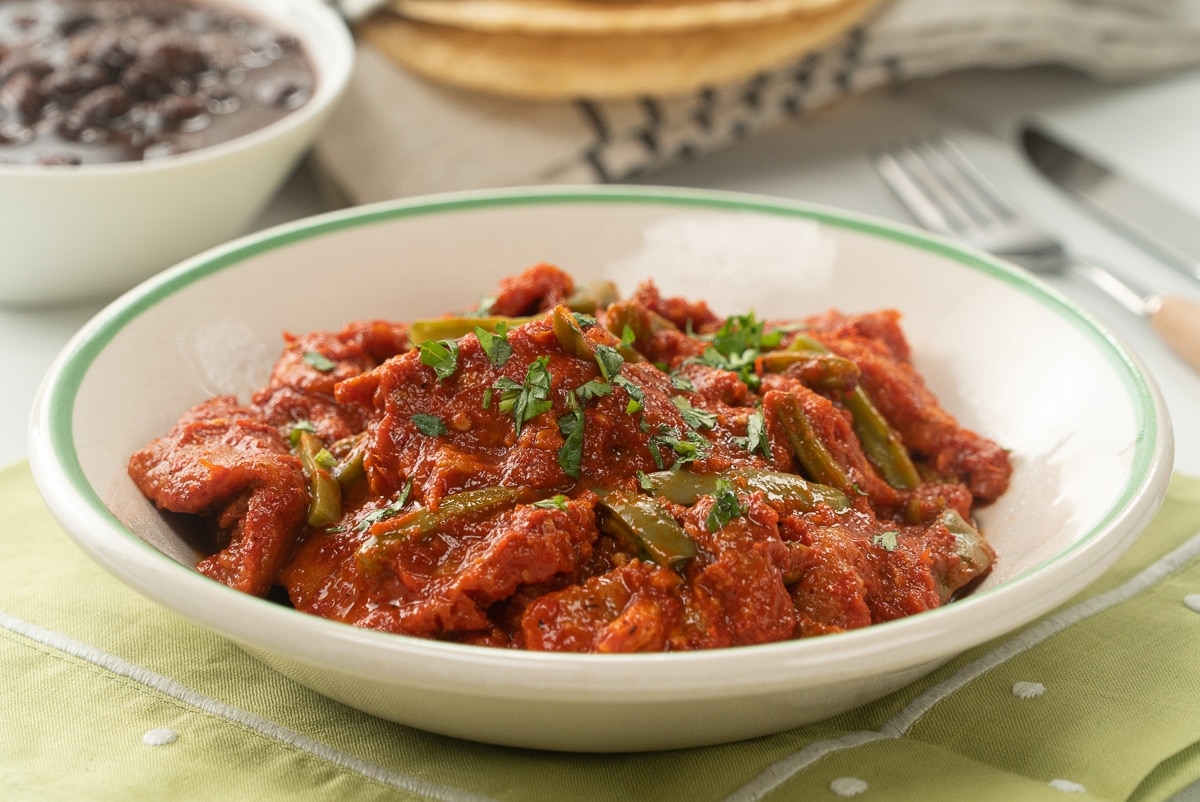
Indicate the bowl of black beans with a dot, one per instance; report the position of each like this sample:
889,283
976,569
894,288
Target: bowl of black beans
136,133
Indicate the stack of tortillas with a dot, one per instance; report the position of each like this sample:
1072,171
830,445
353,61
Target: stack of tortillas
555,49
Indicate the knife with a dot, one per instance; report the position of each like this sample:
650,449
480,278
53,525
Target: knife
1156,223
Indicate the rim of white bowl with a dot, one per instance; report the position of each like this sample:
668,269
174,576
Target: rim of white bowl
327,41
265,626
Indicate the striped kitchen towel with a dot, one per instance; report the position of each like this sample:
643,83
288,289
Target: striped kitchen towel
398,135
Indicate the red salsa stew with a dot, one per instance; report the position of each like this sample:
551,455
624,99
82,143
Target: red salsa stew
561,468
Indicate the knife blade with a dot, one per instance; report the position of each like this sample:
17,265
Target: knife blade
1154,222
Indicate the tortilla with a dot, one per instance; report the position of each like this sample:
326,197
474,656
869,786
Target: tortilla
603,66
604,16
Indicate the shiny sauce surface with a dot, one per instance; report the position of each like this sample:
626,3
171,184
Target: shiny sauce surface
564,469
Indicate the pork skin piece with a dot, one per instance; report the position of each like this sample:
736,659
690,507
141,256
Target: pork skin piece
224,461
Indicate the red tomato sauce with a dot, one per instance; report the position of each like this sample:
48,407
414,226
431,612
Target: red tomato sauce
563,469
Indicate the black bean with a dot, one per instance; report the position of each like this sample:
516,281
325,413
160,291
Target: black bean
23,59
174,51
112,49
76,21
183,113
146,79
20,97
104,105
74,80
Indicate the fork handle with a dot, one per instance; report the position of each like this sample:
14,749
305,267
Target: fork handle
1177,321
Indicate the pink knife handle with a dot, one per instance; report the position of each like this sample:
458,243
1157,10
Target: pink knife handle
1177,321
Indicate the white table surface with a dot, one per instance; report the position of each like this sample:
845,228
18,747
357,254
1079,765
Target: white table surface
1151,130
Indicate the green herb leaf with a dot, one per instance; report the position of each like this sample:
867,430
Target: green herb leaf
318,361
644,482
441,355
682,383
495,345
637,396
609,360
756,435
556,502
694,418
593,389
486,302
570,454
526,401
885,540
393,508
725,506
737,344
684,448
741,333
584,321
299,427
430,425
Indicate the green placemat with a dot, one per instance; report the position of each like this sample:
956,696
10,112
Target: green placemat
107,696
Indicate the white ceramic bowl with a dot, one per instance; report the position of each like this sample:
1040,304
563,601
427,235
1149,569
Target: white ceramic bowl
94,231
1088,430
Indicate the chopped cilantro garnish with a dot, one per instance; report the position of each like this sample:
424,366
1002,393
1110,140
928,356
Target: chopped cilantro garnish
637,396
593,389
526,401
725,506
644,482
885,540
628,336
297,428
682,383
609,360
441,355
556,502
431,425
495,344
737,344
694,418
756,435
686,448
392,509
318,361
584,321
741,333
570,454
486,302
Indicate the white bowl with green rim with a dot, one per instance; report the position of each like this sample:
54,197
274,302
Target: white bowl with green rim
1088,431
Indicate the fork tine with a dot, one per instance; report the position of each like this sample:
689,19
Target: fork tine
909,174
911,194
965,180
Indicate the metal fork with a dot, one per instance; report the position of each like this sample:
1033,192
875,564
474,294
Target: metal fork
947,194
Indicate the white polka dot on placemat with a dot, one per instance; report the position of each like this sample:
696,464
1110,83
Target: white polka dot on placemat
159,737
1068,786
848,786
1028,690
1192,602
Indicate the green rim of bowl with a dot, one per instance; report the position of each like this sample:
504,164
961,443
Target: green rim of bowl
77,358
